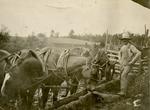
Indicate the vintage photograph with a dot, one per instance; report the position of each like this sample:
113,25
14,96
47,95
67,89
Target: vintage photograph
74,55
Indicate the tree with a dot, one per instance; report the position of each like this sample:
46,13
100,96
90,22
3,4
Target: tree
71,33
4,36
41,35
42,40
52,34
57,34
32,41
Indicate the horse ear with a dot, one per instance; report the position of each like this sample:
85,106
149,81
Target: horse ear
31,52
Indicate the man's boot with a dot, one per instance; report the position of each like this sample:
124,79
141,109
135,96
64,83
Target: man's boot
122,93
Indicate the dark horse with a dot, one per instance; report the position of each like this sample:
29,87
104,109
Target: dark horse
103,66
21,71
3,55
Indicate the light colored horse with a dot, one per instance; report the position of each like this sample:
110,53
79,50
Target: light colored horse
62,66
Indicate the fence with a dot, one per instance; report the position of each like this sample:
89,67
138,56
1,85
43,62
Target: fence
114,56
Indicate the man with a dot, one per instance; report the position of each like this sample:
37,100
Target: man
128,55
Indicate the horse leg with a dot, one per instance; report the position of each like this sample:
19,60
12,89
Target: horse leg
74,86
55,94
108,73
27,98
23,96
112,71
99,75
64,90
45,92
30,95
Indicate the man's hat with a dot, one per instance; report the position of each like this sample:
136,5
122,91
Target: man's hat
126,36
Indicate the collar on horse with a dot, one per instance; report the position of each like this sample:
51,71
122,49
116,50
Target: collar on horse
63,61
14,61
44,55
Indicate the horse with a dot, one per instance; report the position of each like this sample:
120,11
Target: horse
103,66
21,71
65,66
3,54
61,66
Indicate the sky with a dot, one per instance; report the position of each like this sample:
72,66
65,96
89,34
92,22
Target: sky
23,17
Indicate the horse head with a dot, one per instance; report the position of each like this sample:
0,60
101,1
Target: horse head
103,66
21,73
3,54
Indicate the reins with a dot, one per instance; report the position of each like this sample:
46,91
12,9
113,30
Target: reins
100,66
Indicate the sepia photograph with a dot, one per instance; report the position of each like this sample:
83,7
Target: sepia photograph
74,55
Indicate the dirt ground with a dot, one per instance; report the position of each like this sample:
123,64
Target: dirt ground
135,99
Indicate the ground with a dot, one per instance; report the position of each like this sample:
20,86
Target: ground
135,93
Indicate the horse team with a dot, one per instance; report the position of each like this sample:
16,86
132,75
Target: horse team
24,72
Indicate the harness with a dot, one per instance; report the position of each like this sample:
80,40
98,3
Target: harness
63,61
101,62
13,64
16,59
45,55
60,67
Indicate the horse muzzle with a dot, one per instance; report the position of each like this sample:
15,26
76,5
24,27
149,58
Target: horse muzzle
7,77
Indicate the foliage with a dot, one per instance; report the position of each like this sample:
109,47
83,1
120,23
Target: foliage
113,41
15,43
71,33
4,36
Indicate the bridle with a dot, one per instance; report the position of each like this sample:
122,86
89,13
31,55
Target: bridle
19,60
100,66
12,65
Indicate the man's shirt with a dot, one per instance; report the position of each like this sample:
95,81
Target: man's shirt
127,53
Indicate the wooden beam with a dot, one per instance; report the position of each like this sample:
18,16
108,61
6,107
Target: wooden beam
88,100
107,98
109,86
85,102
69,99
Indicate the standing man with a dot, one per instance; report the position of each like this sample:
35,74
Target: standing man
128,55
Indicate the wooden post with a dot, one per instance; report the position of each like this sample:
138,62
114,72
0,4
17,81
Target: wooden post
146,91
146,37
106,40
148,79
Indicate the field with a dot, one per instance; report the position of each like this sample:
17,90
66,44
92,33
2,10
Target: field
67,43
